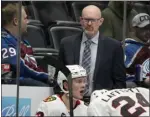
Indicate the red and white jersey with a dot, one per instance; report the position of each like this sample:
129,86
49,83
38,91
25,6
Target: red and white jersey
54,106
120,102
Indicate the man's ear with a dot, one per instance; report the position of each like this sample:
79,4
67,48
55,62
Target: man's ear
66,85
15,21
81,21
101,21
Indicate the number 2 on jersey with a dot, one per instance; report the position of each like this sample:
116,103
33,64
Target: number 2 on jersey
131,103
8,52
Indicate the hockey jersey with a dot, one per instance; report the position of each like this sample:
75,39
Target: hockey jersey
54,106
130,102
136,53
28,65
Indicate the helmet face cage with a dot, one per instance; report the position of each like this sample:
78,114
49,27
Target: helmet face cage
76,72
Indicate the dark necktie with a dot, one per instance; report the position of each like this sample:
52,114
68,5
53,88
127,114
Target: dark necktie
86,61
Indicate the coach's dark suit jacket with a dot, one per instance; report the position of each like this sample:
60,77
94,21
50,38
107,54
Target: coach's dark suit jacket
109,68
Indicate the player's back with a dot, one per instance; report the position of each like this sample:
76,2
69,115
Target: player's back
122,102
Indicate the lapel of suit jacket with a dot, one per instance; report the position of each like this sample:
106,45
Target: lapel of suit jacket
77,43
100,51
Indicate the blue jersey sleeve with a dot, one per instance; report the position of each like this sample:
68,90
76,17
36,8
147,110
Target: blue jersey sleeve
9,56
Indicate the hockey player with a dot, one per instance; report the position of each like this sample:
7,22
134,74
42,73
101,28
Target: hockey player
137,50
30,73
130,102
58,105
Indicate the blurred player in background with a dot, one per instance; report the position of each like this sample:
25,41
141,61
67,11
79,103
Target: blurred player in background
58,105
130,102
137,50
30,73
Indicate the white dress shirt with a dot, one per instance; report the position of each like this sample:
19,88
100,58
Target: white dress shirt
93,47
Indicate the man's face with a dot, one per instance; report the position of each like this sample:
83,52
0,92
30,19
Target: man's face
78,87
91,21
143,34
24,21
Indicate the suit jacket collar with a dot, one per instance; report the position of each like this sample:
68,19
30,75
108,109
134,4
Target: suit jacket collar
94,39
77,43
100,51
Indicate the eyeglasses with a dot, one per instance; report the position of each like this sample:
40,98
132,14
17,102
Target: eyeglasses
86,20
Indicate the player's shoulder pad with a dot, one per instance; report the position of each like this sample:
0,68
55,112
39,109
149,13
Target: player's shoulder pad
97,93
49,99
142,89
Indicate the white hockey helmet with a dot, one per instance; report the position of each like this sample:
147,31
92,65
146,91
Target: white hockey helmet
97,93
76,72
